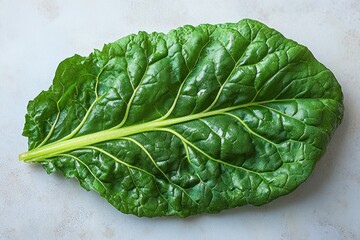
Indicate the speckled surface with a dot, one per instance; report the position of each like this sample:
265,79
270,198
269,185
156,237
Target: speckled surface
35,35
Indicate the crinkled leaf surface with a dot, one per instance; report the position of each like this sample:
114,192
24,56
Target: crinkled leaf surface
197,120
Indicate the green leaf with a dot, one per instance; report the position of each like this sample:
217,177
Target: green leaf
197,120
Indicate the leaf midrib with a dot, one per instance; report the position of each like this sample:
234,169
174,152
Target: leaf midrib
67,145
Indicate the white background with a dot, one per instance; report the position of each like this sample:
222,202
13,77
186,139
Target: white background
35,35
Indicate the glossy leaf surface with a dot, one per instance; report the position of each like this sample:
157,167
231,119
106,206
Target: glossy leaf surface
196,120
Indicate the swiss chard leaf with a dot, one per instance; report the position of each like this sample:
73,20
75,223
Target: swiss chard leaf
197,120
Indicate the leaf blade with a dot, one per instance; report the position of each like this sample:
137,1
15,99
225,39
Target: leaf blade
197,120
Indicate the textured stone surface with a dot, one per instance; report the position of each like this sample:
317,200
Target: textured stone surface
36,35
